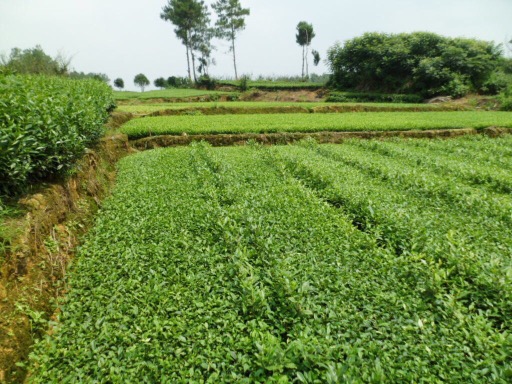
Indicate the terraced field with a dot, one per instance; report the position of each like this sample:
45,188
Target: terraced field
363,262
164,94
307,122
248,107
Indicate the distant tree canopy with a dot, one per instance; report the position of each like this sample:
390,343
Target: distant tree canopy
35,61
119,83
420,62
230,21
160,82
91,75
304,36
191,20
141,80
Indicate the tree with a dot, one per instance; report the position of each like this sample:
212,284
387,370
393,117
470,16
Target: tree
189,17
91,75
202,45
119,83
35,61
141,80
305,34
160,82
316,57
422,62
231,20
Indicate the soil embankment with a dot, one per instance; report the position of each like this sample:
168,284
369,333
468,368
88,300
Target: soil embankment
33,271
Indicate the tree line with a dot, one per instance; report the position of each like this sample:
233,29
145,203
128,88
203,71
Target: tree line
35,61
191,19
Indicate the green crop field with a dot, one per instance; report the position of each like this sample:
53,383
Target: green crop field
177,93
269,107
274,85
364,121
363,262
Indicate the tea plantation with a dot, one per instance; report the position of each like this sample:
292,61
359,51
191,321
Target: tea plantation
363,262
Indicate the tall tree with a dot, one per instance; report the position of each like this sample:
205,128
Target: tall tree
305,34
231,20
202,47
189,17
141,80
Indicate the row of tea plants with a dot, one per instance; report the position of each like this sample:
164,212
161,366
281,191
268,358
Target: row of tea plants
308,264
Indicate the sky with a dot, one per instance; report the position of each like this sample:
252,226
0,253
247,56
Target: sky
125,37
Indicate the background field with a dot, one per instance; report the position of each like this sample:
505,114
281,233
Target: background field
164,94
270,107
365,121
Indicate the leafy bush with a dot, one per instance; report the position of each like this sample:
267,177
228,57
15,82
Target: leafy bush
244,83
46,124
505,99
206,82
178,82
497,82
367,262
340,97
420,62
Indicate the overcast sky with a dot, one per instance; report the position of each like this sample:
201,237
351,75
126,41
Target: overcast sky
124,37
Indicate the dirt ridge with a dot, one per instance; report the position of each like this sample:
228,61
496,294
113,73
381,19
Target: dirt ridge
322,137
32,276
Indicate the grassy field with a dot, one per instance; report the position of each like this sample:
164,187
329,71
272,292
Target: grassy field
363,262
274,85
164,94
268,107
303,122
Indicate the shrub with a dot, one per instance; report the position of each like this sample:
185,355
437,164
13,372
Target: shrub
505,99
178,82
46,124
497,82
206,82
342,97
420,62
244,83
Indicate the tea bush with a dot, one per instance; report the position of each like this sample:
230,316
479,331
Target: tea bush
365,262
45,125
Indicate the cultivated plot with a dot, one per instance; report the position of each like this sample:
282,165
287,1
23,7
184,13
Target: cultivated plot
364,262
307,122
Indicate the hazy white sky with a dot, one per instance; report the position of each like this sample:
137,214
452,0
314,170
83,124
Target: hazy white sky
124,37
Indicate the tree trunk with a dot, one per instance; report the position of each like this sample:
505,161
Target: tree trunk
303,62
194,65
188,64
234,52
307,62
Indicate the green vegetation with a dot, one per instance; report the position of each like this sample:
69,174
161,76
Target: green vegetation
350,263
230,21
34,61
141,80
171,93
253,107
341,97
119,83
274,85
420,63
190,19
45,125
304,36
303,122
